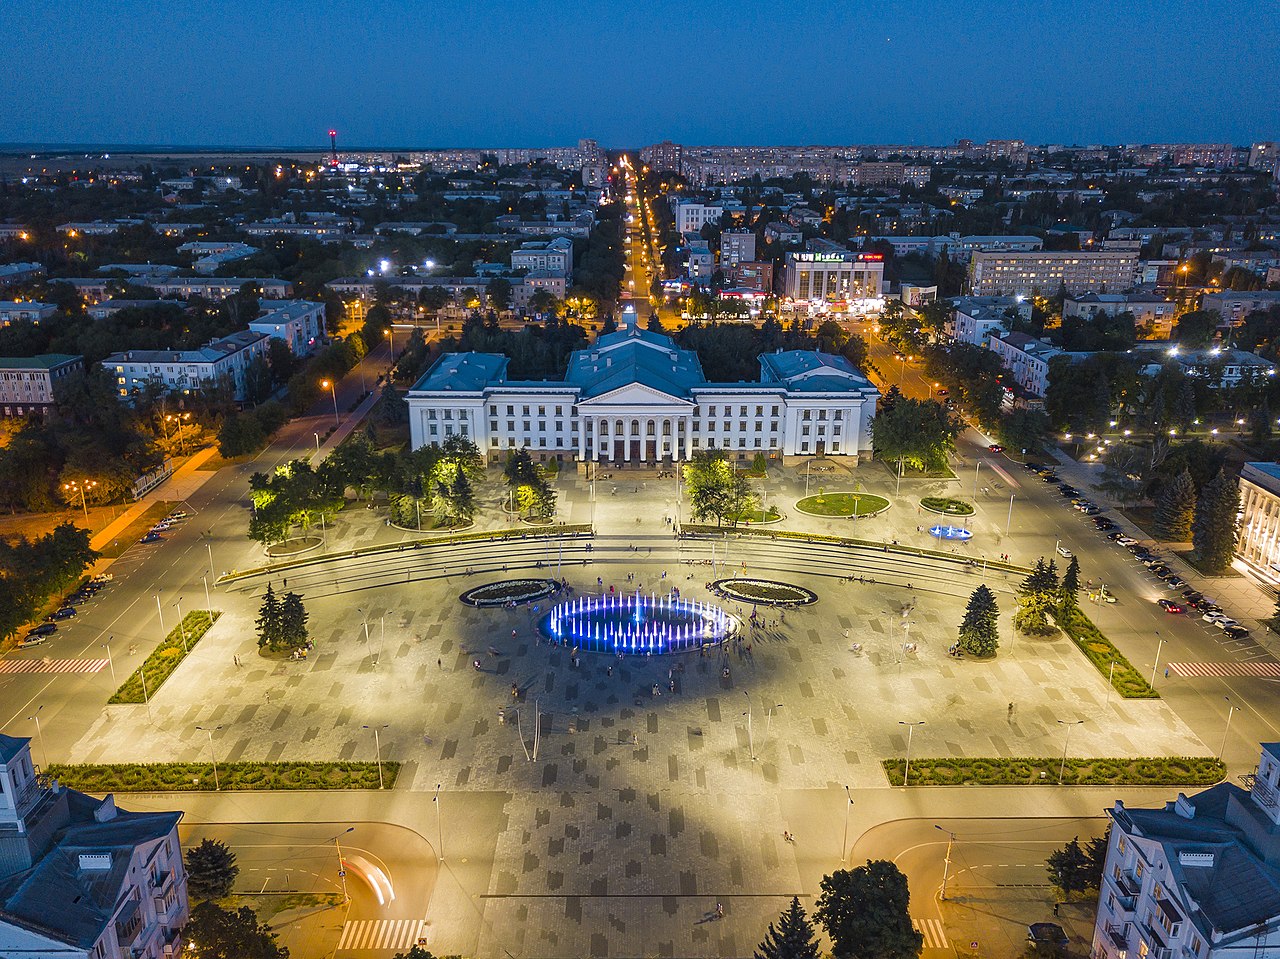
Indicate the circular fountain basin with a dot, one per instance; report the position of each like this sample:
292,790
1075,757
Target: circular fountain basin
637,625
950,532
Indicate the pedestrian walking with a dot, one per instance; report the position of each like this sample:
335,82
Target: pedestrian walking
440,663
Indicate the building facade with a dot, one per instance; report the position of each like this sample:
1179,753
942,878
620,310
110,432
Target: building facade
833,277
1026,358
81,878
1026,274
1152,315
636,398
27,382
227,360
1198,878
13,311
691,217
552,256
1258,543
299,323
736,246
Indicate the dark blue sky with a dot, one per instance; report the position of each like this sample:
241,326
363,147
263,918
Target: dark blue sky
544,72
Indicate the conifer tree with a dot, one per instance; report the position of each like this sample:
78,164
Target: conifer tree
1176,509
1213,534
269,619
293,622
1070,586
791,938
979,630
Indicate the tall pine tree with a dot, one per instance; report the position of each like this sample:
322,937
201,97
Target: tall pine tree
980,630
1070,586
1176,509
293,622
791,938
269,620
1213,534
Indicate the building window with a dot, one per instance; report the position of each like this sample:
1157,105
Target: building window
804,431
807,415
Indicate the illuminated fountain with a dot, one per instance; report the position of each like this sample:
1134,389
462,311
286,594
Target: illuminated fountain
950,532
637,625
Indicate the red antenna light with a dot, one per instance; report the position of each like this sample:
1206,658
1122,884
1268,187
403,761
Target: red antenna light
333,148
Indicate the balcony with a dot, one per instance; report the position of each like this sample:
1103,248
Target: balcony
1118,936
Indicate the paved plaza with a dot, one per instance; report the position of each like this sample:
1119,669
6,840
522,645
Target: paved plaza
640,812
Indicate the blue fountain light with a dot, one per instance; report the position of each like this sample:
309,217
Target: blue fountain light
637,625
951,532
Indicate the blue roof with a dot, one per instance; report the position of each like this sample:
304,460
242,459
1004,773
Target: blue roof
11,746
811,371
632,355
463,373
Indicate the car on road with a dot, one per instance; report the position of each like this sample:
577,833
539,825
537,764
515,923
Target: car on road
1064,552
66,612
152,537
1168,605
943,392
44,629
996,448
1236,632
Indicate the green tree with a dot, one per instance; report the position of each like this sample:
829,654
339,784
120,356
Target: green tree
980,628
1067,599
1176,508
498,291
791,938
1068,868
708,481
216,933
542,301
916,433
1037,598
270,620
211,870
1023,429
392,409
293,622
1213,533
865,912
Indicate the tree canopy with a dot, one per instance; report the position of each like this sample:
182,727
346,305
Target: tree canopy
865,912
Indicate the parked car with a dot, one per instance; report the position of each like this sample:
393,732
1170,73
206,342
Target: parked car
1168,605
1091,510
1192,595
1222,622
178,514
32,639
1115,536
1206,606
152,537
1236,632
1068,491
1126,541
1031,467
1214,617
1050,478
1174,581
66,612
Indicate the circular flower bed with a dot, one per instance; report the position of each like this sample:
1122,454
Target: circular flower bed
947,506
843,504
766,591
506,591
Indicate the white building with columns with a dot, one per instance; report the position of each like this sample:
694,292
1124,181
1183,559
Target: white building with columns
635,398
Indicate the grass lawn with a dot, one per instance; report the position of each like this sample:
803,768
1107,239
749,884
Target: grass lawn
985,771
165,658
1189,557
842,504
947,505
1100,651
198,777
756,516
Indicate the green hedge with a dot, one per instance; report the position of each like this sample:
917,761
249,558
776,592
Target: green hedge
947,505
166,657
1100,651
985,771
198,777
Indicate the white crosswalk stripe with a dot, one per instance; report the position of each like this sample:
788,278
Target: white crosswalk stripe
935,935
1267,669
390,935
52,665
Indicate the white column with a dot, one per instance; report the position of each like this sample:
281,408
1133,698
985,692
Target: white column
627,426
688,438
582,437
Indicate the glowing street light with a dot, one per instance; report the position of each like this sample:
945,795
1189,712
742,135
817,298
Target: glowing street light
328,385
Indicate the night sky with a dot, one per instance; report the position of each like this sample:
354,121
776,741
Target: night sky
434,73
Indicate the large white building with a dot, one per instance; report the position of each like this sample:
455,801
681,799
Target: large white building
1026,357
81,878
636,398
977,316
1045,273
833,277
691,216
220,361
1198,878
27,382
300,323
1258,543
550,256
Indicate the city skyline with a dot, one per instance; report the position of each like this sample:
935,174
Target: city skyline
930,76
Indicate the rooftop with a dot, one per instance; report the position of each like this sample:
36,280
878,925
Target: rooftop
44,361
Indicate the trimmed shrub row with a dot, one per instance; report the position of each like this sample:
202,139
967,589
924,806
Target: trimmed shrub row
1100,651
166,657
988,771
198,777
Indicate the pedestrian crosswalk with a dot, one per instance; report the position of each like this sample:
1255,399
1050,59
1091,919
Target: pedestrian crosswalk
52,665
385,934
935,936
1269,669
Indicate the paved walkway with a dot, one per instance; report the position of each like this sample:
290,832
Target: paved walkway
186,479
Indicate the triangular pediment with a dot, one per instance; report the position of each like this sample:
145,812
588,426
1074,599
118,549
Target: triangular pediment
635,394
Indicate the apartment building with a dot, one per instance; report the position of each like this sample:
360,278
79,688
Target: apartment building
27,382
976,317
226,360
80,877
551,256
1026,358
1198,878
299,323
736,246
692,216
1234,305
1041,272
11,311
1153,315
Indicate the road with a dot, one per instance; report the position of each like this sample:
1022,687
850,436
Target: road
996,879
643,261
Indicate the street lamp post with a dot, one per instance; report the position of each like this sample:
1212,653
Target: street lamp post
844,843
80,486
208,603
946,862
392,337
768,717
911,728
342,868
181,629
1062,769
160,610
110,661
751,745
210,549
976,467
209,732
377,746
1008,523
439,831
1231,711
40,734
328,384
1156,664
